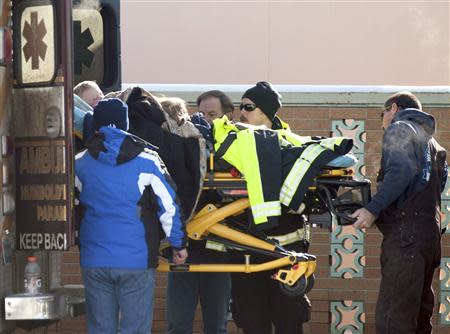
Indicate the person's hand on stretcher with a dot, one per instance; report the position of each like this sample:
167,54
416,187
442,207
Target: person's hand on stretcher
364,219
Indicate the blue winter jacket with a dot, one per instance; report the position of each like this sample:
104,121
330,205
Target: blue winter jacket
405,161
127,195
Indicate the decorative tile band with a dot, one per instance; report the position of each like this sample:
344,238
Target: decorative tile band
347,317
444,308
351,128
347,263
444,298
445,205
347,243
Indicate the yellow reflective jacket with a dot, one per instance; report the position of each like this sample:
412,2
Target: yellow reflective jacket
277,165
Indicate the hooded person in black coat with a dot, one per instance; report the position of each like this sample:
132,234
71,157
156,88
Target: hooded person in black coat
181,155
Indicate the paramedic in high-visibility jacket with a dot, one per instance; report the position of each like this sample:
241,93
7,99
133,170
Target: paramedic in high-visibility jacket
257,301
126,194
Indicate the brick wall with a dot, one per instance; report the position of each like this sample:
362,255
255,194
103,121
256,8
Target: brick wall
311,121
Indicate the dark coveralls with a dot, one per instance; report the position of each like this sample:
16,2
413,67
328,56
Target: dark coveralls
411,248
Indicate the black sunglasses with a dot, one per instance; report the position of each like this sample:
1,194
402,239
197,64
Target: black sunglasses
247,106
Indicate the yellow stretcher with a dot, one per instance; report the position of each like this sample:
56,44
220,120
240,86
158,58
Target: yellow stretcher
331,198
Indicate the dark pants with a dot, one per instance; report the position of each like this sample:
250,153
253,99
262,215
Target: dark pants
185,290
410,254
257,302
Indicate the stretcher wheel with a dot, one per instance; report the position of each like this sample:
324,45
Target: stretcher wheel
297,289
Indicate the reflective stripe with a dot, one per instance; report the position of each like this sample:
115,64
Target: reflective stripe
297,172
307,228
302,165
266,209
299,211
80,155
217,246
78,184
267,213
266,205
290,238
330,143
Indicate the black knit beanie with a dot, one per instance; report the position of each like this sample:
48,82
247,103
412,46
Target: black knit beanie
265,97
111,112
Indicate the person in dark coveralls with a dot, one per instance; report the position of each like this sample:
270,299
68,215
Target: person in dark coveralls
185,290
126,195
406,209
257,301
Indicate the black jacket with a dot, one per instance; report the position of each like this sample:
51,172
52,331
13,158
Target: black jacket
180,155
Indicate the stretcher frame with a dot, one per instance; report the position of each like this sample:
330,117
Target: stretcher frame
294,271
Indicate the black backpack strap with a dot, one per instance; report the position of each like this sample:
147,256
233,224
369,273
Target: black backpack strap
226,145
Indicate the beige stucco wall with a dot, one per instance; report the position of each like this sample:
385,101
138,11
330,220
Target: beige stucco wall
369,42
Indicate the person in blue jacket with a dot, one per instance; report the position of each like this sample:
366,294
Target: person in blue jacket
407,204
127,196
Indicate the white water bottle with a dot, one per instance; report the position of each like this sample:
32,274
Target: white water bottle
32,277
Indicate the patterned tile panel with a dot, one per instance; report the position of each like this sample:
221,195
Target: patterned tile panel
445,209
445,205
444,277
354,129
351,128
444,296
347,260
347,317
444,308
342,233
347,243
446,192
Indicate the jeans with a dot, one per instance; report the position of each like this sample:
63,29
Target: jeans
183,292
110,291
